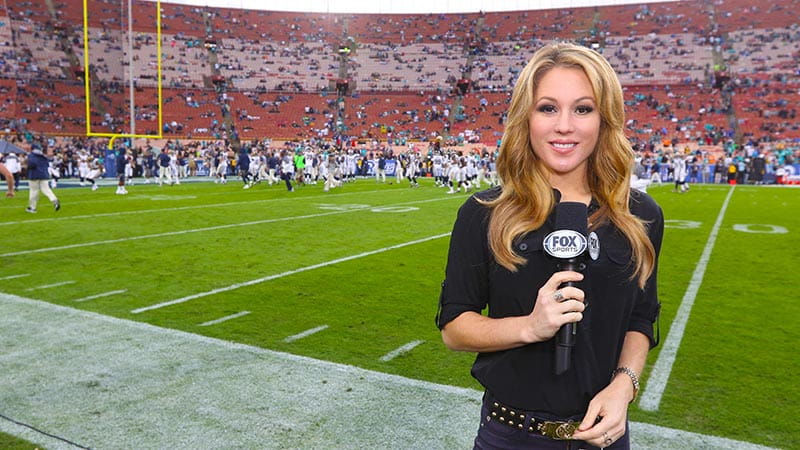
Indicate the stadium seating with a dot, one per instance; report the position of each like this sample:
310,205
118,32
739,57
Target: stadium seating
678,61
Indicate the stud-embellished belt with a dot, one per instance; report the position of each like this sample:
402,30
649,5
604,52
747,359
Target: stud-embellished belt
524,421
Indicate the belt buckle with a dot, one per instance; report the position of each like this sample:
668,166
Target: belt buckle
558,430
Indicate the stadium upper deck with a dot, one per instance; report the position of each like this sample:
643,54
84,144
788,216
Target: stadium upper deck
693,70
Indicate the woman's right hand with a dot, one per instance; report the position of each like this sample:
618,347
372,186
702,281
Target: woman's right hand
555,307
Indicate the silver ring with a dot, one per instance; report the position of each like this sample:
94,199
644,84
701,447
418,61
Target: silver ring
558,296
606,440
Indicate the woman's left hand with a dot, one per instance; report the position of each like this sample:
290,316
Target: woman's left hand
611,406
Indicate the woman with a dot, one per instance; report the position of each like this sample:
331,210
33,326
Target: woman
564,141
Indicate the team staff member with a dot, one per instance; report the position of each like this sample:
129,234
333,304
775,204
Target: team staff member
300,166
121,163
39,180
164,169
564,141
244,167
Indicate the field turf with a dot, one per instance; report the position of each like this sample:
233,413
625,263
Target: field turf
359,270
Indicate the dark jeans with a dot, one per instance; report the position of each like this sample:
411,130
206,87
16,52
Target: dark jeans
495,435
287,177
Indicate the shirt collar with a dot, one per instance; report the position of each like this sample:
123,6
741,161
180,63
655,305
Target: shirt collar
594,205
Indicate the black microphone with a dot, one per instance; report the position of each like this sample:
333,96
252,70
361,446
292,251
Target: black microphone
567,244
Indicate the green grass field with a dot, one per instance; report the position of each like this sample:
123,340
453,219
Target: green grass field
366,262
9,442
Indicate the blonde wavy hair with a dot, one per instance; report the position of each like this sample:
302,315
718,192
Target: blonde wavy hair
527,197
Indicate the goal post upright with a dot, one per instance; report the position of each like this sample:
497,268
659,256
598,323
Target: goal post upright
87,79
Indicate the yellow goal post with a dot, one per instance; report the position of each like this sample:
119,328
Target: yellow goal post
87,77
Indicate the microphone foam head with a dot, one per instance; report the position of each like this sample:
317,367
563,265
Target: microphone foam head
572,216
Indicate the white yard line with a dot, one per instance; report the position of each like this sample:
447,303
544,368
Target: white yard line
283,274
224,319
101,295
11,277
170,233
127,384
306,333
213,228
657,381
179,208
400,351
48,286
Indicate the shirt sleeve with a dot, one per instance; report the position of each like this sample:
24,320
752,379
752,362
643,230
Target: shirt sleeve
647,308
466,284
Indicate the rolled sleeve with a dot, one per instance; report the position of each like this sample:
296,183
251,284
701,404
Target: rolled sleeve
647,308
466,285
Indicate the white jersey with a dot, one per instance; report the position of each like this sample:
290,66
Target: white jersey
83,163
471,170
255,164
329,167
455,172
129,166
412,167
52,167
438,165
287,164
350,163
95,170
83,158
12,163
222,167
173,161
679,169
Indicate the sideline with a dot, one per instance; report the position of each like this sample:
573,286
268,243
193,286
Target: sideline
213,228
129,384
283,274
657,381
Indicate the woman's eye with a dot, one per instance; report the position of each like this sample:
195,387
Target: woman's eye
584,109
547,109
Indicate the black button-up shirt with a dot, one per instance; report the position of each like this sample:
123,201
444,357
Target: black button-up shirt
523,377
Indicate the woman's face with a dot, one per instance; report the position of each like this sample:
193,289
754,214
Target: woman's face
564,123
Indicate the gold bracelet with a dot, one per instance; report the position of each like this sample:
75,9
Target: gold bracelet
634,378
